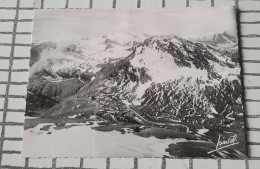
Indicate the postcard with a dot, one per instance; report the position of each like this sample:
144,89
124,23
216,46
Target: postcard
135,83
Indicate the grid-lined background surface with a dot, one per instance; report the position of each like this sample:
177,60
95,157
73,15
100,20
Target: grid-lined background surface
16,19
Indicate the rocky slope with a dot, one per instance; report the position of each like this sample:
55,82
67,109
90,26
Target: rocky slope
162,83
162,78
222,41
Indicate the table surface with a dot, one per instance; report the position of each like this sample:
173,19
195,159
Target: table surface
16,19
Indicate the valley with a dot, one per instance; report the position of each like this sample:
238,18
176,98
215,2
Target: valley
172,91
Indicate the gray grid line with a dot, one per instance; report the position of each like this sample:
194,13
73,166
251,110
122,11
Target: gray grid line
251,100
15,167
19,20
251,74
9,79
13,96
163,3
190,163
12,167
90,4
254,158
253,143
107,163
42,4
135,163
25,33
67,4
237,4
253,116
251,87
163,163
53,163
249,11
114,4
219,163
187,2
12,124
251,61
15,44
246,164
15,58
212,3
81,163
253,129
26,163
251,48
14,70
14,83
255,22
13,8
14,110
11,152
13,138
138,3
250,36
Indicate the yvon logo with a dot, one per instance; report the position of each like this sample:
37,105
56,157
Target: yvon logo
225,141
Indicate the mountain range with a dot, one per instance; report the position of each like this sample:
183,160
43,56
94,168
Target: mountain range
138,78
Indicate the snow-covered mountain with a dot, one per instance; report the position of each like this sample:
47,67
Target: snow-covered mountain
89,54
159,77
54,65
222,40
84,54
170,77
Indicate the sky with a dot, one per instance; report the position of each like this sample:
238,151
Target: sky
64,24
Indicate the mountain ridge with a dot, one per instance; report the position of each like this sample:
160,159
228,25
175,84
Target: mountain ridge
190,72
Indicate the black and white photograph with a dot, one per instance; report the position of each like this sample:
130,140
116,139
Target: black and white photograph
135,83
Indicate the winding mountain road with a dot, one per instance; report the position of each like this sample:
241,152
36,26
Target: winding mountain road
142,120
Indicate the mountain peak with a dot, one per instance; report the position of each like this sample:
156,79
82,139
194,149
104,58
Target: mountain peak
224,37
